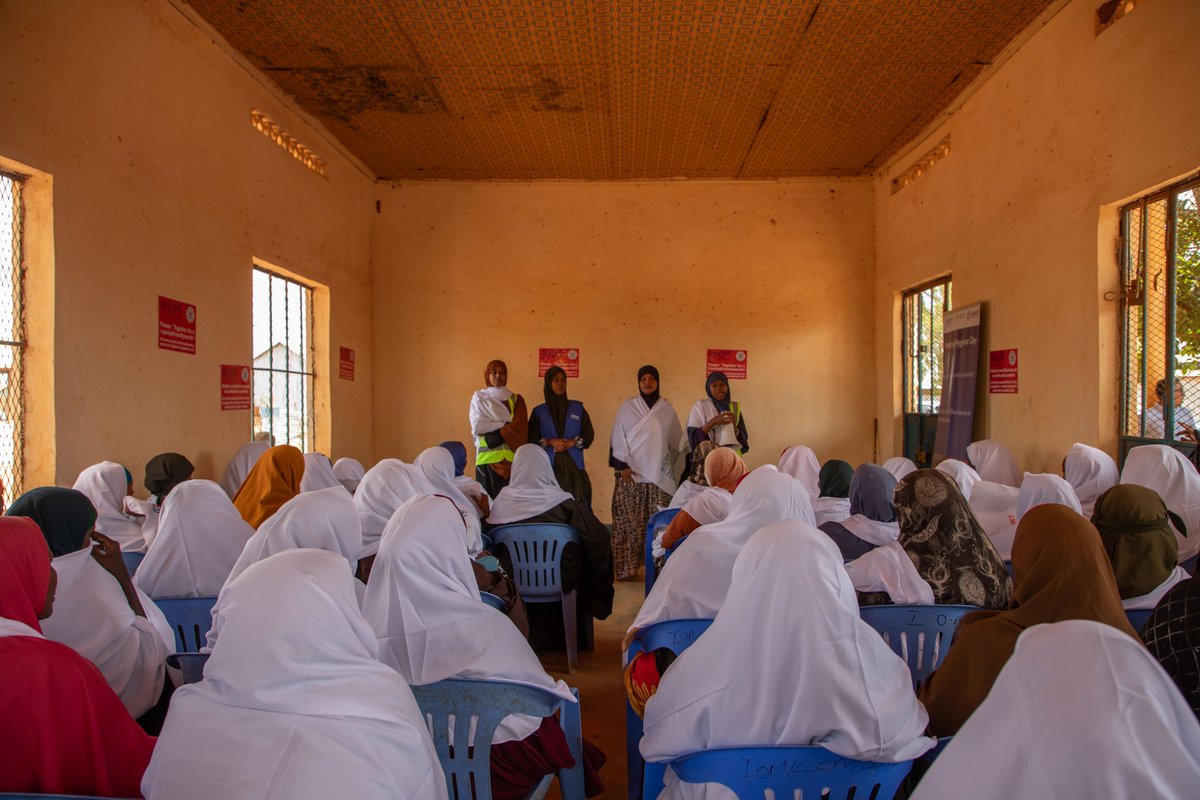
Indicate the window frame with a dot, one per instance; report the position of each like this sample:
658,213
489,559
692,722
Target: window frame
14,484
306,349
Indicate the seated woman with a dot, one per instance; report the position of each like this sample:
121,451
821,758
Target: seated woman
1078,711
1062,573
533,495
1172,635
383,489
723,471
465,483
872,520
801,463
318,473
294,702
1135,529
1165,470
240,465
941,555
693,482
564,429
67,732
994,462
106,485
98,611
349,472
424,607
961,473
200,538
273,480
163,473
900,466
814,673
833,492
1091,472
437,465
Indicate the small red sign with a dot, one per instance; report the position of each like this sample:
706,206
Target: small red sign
1002,376
565,357
346,364
176,325
731,362
235,387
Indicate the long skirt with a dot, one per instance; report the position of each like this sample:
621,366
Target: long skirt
632,507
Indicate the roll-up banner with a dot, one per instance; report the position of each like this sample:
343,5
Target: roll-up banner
960,370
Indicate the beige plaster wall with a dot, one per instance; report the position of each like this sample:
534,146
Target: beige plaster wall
161,186
630,274
1023,211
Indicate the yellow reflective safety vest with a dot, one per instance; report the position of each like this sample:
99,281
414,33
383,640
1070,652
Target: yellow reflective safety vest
491,455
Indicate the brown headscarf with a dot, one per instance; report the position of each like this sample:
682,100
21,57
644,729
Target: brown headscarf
946,543
1061,572
724,468
1135,529
273,481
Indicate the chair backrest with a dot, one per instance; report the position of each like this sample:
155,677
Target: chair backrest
921,635
1137,617
132,561
676,635
493,601
658,520
535,550
754,773
190,618
462,716
190,664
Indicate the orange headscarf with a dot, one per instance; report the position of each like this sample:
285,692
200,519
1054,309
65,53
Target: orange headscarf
724,468
273,481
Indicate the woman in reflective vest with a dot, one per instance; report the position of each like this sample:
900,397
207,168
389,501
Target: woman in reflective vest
499,425
562,427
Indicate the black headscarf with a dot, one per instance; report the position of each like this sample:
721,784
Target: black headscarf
722,405
557,403
166,471
650,399
834,479
64,515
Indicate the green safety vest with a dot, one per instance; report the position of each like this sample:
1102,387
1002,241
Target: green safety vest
491,455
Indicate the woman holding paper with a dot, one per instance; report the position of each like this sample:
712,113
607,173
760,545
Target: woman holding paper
499,425
717,418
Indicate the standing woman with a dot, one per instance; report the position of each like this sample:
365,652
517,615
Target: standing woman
562,427
643,448
717,418
499,425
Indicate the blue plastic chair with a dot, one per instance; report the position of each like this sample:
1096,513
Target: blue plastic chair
676,635
190,664
488,543
190,618
462,716
132,562
1137,617
658,520
921,635
536,552
493,601
753,773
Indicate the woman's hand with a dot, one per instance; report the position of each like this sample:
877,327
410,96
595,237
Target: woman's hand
626,475
108,555
561,445
724,418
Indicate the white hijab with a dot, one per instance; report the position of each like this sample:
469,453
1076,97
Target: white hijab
1091,472
995,507
962,474
1042,489
423,603
318,473
200,537
293,701
710,506
724,435
489,410
105,485
647,439
889,569
437,465
532,489
695,579
994,462
349,471
801,463
686,491
815,674
1165,470
240,465
1080,710
899,466
148,511
382,490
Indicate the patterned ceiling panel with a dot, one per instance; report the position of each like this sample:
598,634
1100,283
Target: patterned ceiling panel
621,89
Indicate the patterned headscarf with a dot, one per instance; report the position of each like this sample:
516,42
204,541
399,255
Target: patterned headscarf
1172,633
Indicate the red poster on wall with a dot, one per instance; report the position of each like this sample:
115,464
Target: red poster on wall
731,362
346,364
176,325
1002,375
235,387
565,357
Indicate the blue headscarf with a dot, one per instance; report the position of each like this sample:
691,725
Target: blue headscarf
871,492
459,451
722,405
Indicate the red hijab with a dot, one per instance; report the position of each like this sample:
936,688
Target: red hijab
24,570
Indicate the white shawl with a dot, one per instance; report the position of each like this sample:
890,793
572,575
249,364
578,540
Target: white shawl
1080,710
489,410
695,579
423,603
995,507
831,509
1165,470
813,673
801,463
437,465
146,510
349,471
318,473
889,569
872,531
105,485
994,462
293,701
647,439
1043,488
240,465
711,505
686,491
899,466
532,489
382,490
200,537
1091,472
962,474
1150,599
721,435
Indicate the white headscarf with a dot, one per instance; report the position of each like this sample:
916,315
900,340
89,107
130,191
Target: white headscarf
899,466
382,490
1043,488
995,507
349,471
489,410
105,485
437,465
647,439
994,462
1080,710
423,602
694,581
200,537
293,701
889,569
241,464
318,473
801,463
1166,471
962,474
1091,472
815,674
532,489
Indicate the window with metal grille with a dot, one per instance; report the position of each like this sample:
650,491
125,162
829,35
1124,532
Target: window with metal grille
1160,316
283,361
923,310
12,338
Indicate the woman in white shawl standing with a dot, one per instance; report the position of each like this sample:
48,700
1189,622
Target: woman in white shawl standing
285,713
1091,472
499,425
643,449
787,661
994,462
437,465
107,484
1165,470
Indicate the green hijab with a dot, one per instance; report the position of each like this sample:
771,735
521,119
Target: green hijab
1135,529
